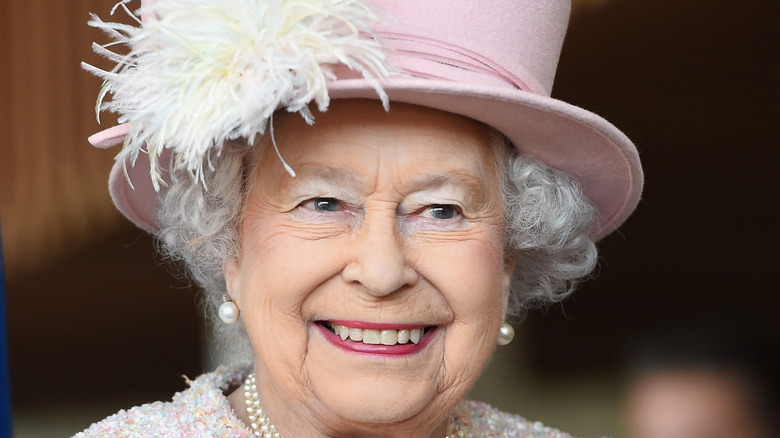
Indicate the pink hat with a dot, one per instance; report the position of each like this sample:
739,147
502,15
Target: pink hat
491,60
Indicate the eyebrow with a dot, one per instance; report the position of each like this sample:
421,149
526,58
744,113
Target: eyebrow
474,190
309,172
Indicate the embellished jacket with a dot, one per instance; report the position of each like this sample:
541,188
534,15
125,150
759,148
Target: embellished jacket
203,410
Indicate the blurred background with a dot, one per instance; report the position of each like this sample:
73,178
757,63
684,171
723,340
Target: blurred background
96,322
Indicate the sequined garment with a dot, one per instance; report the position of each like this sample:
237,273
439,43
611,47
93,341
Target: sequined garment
204,411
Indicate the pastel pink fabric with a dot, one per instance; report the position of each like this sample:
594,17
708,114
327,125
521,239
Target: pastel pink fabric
490,60
202,410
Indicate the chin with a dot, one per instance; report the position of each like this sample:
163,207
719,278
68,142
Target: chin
375,388
373,401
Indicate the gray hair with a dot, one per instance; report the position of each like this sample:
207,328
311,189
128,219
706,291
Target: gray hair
546,215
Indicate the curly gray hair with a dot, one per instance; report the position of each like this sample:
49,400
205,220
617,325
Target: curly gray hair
547,218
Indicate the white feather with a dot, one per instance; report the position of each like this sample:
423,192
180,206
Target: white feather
201,72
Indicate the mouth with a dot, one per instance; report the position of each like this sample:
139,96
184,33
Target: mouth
364,337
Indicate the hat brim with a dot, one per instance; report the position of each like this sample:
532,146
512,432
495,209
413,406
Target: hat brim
584,145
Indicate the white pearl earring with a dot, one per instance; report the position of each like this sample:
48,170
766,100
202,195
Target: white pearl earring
228,311
505,334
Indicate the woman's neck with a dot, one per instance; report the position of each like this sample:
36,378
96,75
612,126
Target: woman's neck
237,402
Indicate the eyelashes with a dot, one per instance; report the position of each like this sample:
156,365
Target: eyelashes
330,209
323,204
326,210
442,211
434,217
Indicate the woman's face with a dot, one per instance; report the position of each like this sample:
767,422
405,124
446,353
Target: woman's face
391,236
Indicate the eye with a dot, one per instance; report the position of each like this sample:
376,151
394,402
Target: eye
325,204
326,210
442,211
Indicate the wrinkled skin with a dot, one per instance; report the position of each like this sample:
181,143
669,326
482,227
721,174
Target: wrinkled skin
393,218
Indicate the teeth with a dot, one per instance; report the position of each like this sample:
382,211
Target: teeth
377,337
355,334
414,335
371,337
389,337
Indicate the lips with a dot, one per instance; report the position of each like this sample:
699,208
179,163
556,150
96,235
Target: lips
376,336
377,339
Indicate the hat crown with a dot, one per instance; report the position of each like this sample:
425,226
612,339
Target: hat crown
493,61
516,42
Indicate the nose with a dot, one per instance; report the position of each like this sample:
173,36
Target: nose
379,261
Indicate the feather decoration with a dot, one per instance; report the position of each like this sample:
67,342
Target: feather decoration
202,72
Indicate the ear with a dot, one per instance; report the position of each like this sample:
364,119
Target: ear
231,271
510,262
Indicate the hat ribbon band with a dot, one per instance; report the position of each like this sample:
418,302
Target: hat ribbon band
432,59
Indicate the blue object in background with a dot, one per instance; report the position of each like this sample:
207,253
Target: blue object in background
5,386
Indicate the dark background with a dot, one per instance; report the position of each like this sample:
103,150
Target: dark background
695,84
692,82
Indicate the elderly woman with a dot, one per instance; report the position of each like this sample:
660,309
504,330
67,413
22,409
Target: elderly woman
366,192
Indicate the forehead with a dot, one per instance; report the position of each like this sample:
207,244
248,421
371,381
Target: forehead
360,135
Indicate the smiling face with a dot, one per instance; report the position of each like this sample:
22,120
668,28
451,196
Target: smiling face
373,284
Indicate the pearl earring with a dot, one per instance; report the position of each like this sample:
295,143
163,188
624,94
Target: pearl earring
505,334
228,311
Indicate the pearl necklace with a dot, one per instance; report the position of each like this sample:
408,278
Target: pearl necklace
258,421
262,427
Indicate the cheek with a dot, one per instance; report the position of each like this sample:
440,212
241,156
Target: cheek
267,306
470,276
280,272
283,256
471,281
